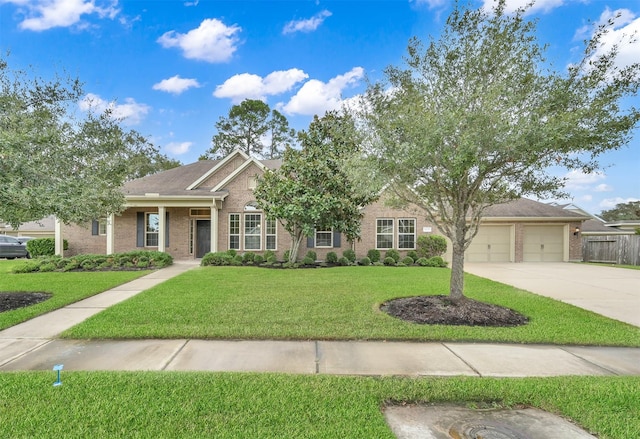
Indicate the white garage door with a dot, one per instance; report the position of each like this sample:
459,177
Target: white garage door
543,244
491,244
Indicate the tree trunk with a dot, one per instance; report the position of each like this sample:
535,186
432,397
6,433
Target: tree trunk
295,246
456,287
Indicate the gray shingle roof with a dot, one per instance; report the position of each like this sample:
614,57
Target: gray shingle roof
525,208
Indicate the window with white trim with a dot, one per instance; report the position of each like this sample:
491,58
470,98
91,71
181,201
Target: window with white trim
271,237
152,229
252,231
324,238
102,226
384,233
234,231
406,233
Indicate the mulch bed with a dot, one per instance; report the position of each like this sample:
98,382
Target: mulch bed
441,310
14,300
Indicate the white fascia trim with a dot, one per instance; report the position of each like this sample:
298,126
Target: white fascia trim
235,173
211,171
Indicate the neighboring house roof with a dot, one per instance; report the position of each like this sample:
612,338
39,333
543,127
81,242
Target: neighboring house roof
45,225
598,227
572,207
525,208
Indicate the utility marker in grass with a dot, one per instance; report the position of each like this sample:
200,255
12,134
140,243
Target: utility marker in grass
58,368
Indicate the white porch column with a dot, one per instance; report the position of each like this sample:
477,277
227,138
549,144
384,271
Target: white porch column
214,227
59,239
111,238
162,227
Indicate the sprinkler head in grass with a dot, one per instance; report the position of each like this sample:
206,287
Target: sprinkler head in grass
58,368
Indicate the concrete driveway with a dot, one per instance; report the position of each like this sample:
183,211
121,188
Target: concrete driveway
612,292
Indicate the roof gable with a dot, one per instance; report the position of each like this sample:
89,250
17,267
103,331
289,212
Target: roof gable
221,164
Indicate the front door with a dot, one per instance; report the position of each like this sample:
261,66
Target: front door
203,237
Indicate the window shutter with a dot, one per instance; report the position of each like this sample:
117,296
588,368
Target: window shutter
94,227
166,229
310,241
336,239
140,230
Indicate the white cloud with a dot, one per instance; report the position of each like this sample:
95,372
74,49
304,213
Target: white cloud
623,32
603,188
176,84
178,148
308,25
609,203
212,41
249,86
577,180
317,97
46,14
511,6
431,3
131,112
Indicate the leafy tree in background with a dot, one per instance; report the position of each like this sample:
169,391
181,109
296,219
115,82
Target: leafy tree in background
248,127
282,136
477,118
312,189
53,162
622,211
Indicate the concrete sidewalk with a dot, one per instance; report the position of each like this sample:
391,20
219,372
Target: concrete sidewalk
320,357
32,346
609,291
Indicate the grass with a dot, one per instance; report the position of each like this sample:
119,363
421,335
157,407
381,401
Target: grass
66,288
336,303
187,404
604,264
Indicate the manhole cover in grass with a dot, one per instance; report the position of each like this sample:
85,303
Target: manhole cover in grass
20,299
458,422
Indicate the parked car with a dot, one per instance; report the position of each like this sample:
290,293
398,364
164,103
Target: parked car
11,248
24,239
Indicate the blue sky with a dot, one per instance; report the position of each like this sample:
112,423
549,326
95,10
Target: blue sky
172,68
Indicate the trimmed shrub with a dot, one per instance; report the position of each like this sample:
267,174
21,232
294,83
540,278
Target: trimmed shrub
232,252
216,259
308,261
423,262
394,254
413,254
389,261
332,258
268,254
365,261
429,246
312,255
236,260
44,247
272,259
407,260
248,257
343,261
258,259
374,255
437,261
350,255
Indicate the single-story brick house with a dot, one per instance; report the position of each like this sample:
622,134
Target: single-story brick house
209,206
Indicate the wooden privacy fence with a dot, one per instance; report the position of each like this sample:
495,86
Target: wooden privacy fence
613,249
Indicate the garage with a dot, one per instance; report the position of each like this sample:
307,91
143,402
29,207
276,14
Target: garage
491,244
543,243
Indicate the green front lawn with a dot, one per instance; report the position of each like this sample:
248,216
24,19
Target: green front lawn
66,288
335,303
196,405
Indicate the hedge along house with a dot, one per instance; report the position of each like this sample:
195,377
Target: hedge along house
209,206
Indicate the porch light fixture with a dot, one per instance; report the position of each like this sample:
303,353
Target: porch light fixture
576,232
